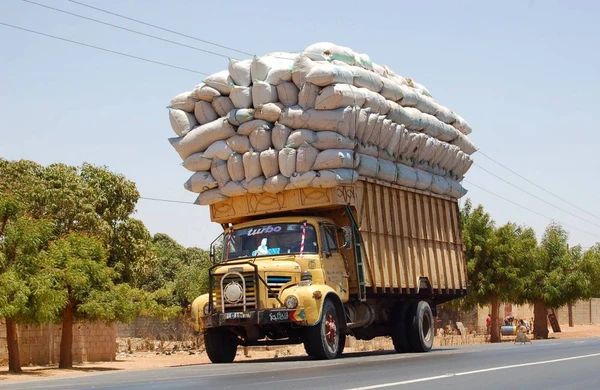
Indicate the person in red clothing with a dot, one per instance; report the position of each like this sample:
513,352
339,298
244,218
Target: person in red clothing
488,324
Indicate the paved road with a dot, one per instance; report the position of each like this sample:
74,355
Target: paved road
550,364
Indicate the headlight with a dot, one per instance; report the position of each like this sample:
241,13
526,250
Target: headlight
205,309
291,302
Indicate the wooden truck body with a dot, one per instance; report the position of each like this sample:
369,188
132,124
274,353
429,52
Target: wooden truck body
313,265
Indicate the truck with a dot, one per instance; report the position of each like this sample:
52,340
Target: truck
315,265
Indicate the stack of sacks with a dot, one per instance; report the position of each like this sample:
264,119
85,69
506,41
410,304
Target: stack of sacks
319,118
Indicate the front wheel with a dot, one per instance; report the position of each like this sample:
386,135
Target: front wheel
221,345
322,341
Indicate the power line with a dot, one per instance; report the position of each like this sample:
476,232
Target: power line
528,209
103,49
166,200
535,196
161,28
538,186
127,29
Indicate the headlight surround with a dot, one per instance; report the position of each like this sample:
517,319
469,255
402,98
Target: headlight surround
291,302
205,309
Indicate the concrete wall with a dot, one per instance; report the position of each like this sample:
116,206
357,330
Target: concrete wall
40,344
584,312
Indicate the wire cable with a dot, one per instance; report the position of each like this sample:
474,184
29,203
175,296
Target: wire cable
538,186
166,200
104,49
535,196
161,28
127,29
530,210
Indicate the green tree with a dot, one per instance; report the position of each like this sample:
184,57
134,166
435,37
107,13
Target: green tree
558,275
86,212
495,258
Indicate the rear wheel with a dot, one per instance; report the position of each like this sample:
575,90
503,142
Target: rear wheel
322,340
420,327
398,328
221,345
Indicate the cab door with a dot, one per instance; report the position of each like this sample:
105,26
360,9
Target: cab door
334,266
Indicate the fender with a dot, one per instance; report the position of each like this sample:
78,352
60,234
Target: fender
198,311
311,299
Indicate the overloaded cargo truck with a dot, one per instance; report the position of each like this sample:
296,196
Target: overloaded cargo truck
313,265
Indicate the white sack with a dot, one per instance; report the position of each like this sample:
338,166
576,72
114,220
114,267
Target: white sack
204,112
248,127
219,150
331,178
239,144
252,167
424,180
336,158
260,139
445,115
184,102
339,120
222,105
323,74
181,122
279,135
456,190
276,184
238,116
239,71
391,90
235,167
307,96
269,162
232,189
263,93
200,182
406,176
287,161
332,140
205,93
202,137
241,97
254,186
218,170
306,157
210,197
269,112
440,185
462,125
220,81
300,136
386,171
340,95
369,150
368,165
364,78
465,144
197,162
287,92
427,105
302,180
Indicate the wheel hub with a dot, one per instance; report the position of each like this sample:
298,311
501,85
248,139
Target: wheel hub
330,328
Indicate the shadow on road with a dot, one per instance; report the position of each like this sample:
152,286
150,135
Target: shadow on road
41,372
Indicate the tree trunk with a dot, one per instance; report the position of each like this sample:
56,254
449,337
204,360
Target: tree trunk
540,320
12,341
66,341
495,331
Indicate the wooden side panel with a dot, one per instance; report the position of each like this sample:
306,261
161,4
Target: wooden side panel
407,234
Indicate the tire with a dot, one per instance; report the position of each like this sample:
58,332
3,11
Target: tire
221,346
322,341
420,327
341,344
398,328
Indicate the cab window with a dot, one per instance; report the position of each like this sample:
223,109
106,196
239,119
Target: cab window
329,239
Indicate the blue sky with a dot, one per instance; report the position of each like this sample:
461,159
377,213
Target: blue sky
525,74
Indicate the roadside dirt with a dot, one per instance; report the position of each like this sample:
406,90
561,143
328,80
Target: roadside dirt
149,360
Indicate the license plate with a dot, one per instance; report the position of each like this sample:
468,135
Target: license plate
276,316
236,315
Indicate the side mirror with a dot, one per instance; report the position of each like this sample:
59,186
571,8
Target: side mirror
347,231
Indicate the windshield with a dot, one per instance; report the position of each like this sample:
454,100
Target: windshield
273,239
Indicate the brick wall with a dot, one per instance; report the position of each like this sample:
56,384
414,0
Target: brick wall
40,344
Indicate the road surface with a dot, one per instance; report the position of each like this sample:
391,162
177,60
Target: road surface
548,364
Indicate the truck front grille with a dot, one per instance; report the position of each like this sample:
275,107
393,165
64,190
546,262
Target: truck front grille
275,283
226,288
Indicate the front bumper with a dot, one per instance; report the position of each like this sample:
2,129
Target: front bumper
256,317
